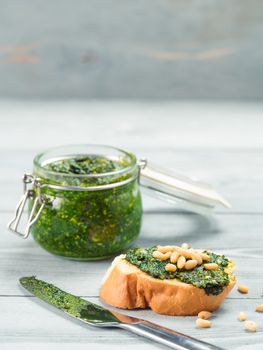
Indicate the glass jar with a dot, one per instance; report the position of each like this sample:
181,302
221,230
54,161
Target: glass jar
85,201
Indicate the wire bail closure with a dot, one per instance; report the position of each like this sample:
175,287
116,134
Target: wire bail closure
34,193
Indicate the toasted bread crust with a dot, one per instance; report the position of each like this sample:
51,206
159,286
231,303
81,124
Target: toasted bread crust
127,287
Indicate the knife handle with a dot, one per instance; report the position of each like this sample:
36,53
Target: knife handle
173,339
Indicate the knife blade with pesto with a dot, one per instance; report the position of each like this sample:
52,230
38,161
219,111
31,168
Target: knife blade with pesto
96,315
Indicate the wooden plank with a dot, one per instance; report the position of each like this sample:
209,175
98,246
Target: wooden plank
224,169
24,257
135,125
43,324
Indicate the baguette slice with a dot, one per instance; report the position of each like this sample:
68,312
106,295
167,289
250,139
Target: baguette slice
127,287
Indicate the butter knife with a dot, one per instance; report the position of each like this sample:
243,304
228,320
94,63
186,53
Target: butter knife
98,316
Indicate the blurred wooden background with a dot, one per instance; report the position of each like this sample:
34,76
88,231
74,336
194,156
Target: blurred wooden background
177,49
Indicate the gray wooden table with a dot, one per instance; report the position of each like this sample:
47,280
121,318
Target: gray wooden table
221,144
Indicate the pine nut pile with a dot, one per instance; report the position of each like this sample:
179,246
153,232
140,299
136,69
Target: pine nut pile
249,326
182,257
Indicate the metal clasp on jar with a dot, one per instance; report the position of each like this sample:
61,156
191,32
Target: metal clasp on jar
32,190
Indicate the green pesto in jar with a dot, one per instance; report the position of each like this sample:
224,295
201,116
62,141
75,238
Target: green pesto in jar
213,282
84,165
88,225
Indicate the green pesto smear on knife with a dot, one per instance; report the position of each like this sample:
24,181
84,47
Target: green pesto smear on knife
71,304
213,282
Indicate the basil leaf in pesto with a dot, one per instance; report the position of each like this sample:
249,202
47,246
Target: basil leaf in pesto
84,165
213,282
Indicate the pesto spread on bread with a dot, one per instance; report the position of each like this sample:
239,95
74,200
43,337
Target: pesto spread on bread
201,268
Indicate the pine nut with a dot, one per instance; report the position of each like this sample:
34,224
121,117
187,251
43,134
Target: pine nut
242,289
170,268
190,264
185,252
211,266
242,316
201,323
205,256
181,261
158,255
250,326
185,246
165,248
204,315
167,255
174,257
197,257
259,308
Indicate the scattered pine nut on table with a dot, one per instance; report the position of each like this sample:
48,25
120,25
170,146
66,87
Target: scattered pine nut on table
202,323
259,308
242,316
250,326
242,289
204,314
